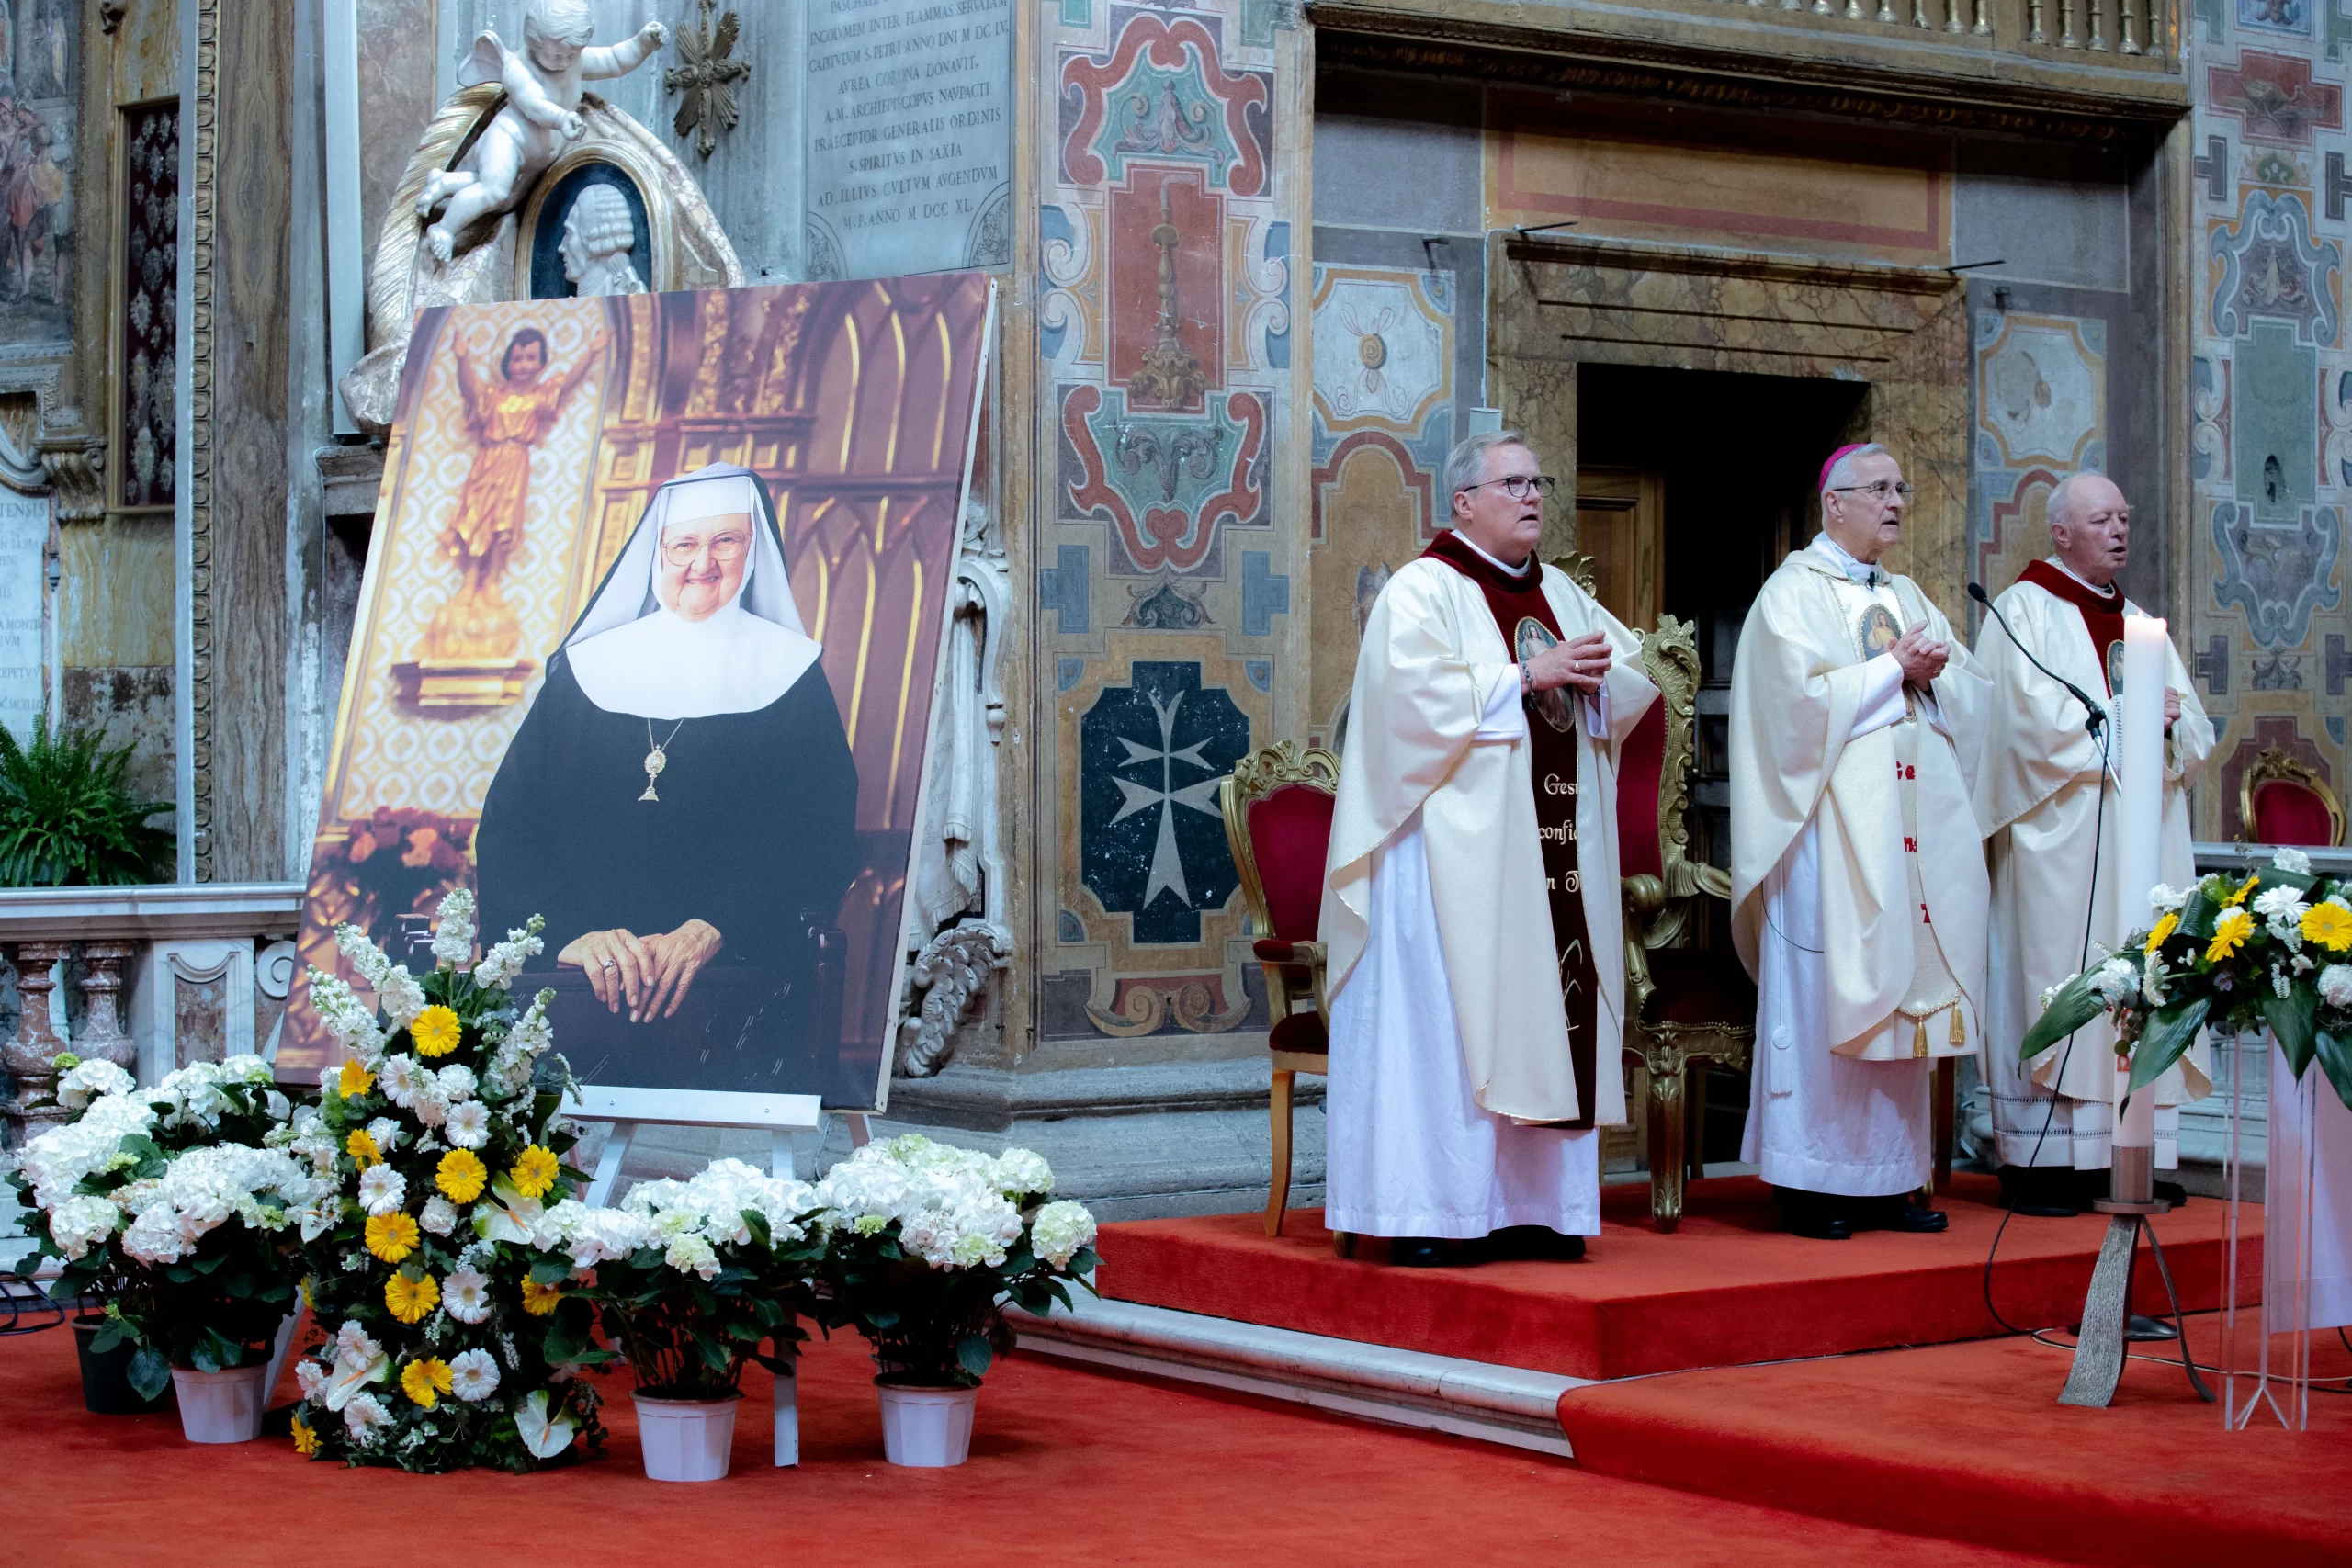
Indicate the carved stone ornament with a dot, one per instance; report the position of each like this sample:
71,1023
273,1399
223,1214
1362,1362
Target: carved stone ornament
707,79
492,256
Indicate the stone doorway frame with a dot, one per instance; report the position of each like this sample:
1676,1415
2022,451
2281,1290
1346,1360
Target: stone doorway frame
1553,303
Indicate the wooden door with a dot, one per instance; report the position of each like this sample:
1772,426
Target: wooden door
1621,528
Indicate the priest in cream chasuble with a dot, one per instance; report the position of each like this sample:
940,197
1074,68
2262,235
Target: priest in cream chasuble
1859,893
2053,834
1471,912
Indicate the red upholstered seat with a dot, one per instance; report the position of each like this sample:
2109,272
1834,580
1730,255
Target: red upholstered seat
1699,988
1290,836
1640,762
1300,1032
2287,813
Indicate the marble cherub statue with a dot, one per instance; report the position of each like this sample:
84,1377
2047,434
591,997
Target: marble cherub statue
542,112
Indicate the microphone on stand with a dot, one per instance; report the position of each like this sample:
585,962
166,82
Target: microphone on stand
2097,719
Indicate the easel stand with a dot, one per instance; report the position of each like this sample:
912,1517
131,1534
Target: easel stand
781,1116
2101,1346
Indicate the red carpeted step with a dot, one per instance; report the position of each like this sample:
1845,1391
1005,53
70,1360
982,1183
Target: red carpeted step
1728,1288
1067,1466
1968,1442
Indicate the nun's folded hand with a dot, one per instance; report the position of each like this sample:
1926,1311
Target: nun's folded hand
678,958
620,967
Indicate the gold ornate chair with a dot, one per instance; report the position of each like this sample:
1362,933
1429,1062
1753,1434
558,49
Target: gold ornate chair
2282,800
1277,805
1684,1007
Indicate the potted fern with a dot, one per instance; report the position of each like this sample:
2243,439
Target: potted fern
69,817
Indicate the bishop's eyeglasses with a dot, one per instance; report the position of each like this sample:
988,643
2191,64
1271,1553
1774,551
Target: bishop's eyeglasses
1518,486
1880,489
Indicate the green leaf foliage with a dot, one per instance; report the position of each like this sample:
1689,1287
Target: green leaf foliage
2076,1003
2294,1019
2335,1052
149,1374
69,819
2169,1034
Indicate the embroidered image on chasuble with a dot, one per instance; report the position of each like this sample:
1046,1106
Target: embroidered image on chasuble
1529,627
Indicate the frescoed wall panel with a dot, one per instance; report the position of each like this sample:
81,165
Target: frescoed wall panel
1166,562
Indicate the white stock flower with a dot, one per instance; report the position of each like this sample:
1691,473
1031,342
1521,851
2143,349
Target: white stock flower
440,1215
2293,860
88,1079
465,1294
2336,985
2164,900
365,1419
1060,1231
366,958
452,935
382,1190
502,963
473,1375
400,997
468,1126
350,1020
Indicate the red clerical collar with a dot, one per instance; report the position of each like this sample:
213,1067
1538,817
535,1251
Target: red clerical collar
2073,589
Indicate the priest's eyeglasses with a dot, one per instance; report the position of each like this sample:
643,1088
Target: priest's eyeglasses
1881,490
1517,486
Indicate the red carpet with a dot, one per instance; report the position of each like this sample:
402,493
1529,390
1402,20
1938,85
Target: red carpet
1968,1441
1727,1289
1067,1467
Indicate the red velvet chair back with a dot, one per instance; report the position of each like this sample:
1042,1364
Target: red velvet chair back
1640,764
1290,837
2285,812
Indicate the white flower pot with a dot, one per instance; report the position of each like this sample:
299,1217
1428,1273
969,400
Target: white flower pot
221,1407
686,1440
926,1428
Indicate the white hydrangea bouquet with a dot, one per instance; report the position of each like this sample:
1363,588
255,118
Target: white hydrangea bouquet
439,1143
691,1278
177,1208
925,1244
2271,951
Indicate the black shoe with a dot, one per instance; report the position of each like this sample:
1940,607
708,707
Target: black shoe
1535,1244
1819,1215
1417,1252
2172,1193
1820,1227
1919,1220
2147,1330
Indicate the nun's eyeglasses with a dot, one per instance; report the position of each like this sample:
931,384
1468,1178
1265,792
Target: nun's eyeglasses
722,546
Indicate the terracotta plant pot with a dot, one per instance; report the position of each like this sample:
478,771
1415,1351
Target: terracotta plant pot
686,1440
927,1429
105,1375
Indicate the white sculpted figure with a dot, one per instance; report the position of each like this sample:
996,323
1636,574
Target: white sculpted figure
542,111
598,234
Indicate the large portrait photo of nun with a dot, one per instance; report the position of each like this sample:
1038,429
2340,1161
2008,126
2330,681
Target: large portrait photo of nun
667,683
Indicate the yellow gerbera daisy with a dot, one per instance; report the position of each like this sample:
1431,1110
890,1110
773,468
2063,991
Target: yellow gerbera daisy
306,1441
539,1300
535,1171
436,1031
409,1300
461,1175
2163,928
426,1380
2234,899
2229,934
2329,925
391,1237
355,1081
361,1148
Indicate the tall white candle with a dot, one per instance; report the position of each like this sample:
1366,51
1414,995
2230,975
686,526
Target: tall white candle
2139,858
